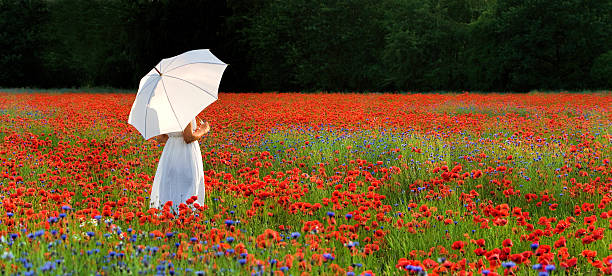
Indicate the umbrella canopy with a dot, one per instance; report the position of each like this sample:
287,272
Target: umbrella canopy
175,91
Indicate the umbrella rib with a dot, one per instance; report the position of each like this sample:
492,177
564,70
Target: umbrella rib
216,98
140,90
194,63
147,109
170,103
173,59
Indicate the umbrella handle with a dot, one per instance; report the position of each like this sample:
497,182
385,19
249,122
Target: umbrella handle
157,71
200,120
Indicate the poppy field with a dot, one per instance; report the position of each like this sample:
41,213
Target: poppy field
314,184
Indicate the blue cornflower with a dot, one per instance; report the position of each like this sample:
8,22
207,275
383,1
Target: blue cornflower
295,235
48,266
230,239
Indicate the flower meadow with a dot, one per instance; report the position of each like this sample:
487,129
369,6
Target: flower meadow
314,184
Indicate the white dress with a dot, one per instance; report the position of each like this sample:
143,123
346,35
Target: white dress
180,173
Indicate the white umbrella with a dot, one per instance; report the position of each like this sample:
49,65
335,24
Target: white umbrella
175,91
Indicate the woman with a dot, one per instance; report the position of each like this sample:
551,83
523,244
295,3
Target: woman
180,173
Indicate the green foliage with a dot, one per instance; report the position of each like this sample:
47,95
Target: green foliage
602,70
426,42
87,43
550,44
21,40
308,45
331,45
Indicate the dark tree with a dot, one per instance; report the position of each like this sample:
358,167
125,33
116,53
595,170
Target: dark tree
21,42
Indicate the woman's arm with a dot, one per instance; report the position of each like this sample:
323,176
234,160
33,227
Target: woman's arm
161,138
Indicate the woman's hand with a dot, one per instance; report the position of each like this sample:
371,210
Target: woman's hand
160,139
189,136
202,129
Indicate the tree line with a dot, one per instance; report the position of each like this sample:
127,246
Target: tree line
308,45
